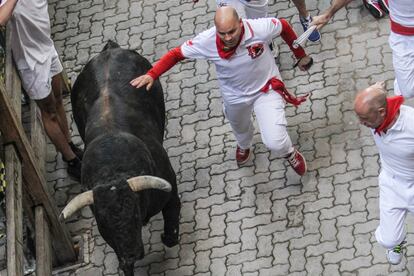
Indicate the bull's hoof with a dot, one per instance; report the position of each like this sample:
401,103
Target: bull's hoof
169,240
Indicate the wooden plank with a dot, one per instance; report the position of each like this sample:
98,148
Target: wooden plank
43,245
13,87
37,136
13,132
14,212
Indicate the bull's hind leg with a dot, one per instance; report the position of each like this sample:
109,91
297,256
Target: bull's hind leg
171,214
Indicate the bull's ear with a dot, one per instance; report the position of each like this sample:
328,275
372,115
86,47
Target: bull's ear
77,203
144,182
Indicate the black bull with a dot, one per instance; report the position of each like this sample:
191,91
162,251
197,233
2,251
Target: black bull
123,128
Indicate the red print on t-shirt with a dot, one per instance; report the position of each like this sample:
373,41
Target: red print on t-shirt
255,50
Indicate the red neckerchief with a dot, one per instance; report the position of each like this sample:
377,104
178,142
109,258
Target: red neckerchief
226,54
393,106
278,86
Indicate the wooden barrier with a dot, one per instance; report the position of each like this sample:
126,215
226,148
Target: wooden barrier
14,212
43,245
32,191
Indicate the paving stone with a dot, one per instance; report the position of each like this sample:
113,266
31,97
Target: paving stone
332,269
363,245
264,246
297,260
275,270
255,265
260,219
233,270
186,254
356,262
317,250
280,253
328,230
358,201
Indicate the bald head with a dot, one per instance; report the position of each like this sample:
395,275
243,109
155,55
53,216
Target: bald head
228,25
370,105
225,14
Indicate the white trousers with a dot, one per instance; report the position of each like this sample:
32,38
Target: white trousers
396,199
247,9
270,115
403,60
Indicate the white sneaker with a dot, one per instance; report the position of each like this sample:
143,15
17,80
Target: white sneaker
395,254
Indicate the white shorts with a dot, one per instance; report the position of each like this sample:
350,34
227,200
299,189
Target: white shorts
396,199
403,61
270,115
37,82
247,9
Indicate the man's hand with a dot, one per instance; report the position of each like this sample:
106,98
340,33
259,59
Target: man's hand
143,80
305,63
321,20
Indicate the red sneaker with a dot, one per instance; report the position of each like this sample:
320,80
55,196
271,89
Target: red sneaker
298,162
242,155
384,6
374,8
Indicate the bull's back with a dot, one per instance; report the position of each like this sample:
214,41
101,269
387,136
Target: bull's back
104,101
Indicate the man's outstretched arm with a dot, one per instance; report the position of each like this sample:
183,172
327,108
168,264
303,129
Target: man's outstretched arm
322,19
165,63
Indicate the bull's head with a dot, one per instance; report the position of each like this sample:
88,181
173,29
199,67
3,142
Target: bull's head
118,215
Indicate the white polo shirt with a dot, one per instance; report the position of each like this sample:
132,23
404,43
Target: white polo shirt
396,147
243,75
402,12
30,27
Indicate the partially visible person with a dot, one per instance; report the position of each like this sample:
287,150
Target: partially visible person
402,44
378,8
247,9
40,71
248,77
401,40
252,9
392,126
305,19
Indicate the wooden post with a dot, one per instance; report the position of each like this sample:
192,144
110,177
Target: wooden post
13,87
43,244
34,181
37,137
14,212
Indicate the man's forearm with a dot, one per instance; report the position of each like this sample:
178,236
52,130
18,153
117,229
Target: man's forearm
166,62
337,5
289,35
6,11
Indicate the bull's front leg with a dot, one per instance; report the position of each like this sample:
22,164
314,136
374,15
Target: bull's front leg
171,214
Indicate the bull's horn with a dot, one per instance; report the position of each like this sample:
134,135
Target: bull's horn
144,182
78,202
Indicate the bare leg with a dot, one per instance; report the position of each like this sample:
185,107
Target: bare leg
57,86
52,126
301,6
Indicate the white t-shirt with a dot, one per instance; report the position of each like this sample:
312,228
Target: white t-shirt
243,75
396,147
30,33
402,12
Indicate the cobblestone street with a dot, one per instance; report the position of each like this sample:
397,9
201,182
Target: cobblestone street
260,219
